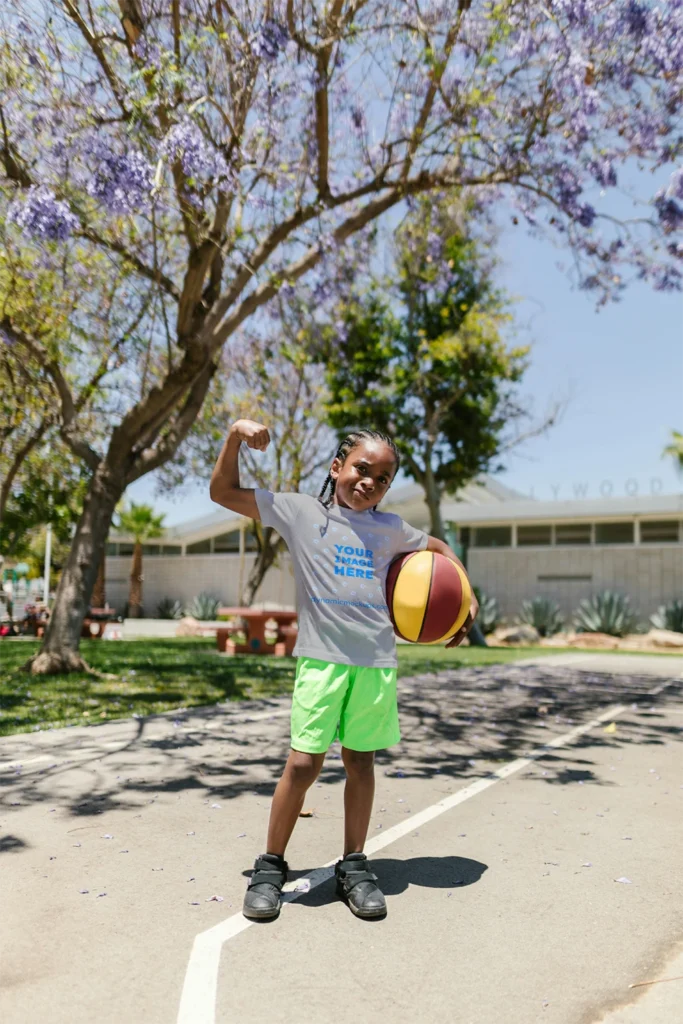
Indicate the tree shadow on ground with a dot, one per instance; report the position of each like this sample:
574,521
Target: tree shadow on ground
457,724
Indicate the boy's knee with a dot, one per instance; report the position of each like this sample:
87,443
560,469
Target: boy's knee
303,768
358,762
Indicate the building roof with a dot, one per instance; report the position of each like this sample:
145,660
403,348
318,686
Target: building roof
653,506
484,501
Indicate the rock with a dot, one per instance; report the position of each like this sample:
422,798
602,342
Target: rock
522,634
601,641
665,638
189,627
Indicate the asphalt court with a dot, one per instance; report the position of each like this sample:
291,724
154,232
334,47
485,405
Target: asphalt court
504,908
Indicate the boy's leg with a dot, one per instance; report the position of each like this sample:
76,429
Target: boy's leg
262,898
359,794
300,773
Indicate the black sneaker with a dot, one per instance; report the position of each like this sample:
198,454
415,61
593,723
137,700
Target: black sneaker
262,898
357,886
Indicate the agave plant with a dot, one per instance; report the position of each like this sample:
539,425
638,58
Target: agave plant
169,609
669,616
606,612
204,607
543,614
489,614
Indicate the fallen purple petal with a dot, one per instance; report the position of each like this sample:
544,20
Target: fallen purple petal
217,899
626,881
106,836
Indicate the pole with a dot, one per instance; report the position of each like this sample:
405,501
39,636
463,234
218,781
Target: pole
46,570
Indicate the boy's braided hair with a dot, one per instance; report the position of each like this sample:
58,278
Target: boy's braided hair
350,442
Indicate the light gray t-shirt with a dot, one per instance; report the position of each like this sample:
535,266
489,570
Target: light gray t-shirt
340,560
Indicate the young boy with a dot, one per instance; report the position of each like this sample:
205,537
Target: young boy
341,548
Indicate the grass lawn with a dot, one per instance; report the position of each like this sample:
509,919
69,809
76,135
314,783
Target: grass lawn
163,675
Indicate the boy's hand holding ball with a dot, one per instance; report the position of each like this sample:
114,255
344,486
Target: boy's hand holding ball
466,626
254,434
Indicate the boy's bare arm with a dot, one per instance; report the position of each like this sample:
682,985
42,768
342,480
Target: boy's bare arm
434,544
225,481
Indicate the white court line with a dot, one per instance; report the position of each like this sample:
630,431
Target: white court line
198,997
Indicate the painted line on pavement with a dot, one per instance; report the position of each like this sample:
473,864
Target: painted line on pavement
198,997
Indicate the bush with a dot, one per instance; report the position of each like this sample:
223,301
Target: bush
606,612
169,609
669,616
489,614
543,614
204,607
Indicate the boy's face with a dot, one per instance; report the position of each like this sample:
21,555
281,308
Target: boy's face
365,477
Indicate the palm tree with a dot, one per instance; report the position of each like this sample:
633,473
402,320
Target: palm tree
140,523
675,449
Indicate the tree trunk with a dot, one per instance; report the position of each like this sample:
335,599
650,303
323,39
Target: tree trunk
99,594
270,549
59,651
135,592
433,499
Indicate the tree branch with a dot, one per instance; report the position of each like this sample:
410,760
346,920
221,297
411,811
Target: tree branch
68,411
21,455
151,458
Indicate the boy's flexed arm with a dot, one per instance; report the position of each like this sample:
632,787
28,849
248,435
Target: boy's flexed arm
225,481
434,544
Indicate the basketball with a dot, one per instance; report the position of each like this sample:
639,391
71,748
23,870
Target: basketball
429,597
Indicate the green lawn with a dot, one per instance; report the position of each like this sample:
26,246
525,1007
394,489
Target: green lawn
162,675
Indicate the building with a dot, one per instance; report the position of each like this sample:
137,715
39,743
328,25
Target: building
515,548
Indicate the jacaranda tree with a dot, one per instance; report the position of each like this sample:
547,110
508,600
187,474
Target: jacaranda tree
218,151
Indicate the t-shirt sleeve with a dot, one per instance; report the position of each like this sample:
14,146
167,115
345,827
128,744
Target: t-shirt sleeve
408,538
278,510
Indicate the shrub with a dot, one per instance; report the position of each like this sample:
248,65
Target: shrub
204,607
669,616
169,609
489,614
543,614
606,612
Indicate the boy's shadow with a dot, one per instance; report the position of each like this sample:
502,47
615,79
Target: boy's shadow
394,877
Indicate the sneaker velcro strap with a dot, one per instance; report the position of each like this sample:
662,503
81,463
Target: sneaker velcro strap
351,878
265,872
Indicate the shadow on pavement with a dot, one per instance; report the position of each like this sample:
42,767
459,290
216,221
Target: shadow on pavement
395,876
456,723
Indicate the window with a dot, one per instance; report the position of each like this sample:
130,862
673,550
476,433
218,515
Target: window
660,531
112,549
125,549
528,536
573,533
464,535
227,542
202,547
170,549
614,533
493,537
150,549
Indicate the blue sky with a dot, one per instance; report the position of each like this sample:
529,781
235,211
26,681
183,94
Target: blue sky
620,371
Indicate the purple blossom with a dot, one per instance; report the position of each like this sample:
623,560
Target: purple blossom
636,19
603,171
269,40
198,158
42,216
122,183
675,189
669,212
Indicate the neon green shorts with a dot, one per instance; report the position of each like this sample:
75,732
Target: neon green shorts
354,702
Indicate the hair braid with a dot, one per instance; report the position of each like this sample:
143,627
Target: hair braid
351,441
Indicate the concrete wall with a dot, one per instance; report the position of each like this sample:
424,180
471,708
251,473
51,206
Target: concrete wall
184,577
649,574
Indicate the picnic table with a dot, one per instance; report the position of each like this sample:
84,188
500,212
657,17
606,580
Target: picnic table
254,620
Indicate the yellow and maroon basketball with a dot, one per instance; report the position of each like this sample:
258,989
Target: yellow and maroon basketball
429,597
